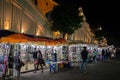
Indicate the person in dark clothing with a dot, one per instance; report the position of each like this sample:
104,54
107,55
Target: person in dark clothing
103,55
55,57
19,65
18,62
35,59
108,54
84,56
117,53
40,60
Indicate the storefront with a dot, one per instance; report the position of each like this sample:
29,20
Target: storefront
21,46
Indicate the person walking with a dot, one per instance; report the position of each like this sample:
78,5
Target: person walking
40,60
35,59
84,56
95,52
19,66
103,54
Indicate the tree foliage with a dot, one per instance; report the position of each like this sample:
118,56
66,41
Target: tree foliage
66,17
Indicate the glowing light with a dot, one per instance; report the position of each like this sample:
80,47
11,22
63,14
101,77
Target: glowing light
22,31
6,24
37,34
56,34
100,28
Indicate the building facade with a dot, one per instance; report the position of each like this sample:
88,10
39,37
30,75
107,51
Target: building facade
23,16
29,17
83,34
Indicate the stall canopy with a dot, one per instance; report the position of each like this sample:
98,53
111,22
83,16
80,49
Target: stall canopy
22,38
15,38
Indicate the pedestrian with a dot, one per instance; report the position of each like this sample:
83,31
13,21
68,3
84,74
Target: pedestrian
103,54
35,60
40,60
95,52
55,56
84,56
108,54
19,66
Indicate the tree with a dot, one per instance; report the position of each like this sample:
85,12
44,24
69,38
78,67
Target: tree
65,16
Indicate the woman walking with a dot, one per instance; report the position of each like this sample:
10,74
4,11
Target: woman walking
40,60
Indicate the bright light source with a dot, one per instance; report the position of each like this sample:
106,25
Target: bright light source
100,28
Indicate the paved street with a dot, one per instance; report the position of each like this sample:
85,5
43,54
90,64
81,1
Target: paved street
100,71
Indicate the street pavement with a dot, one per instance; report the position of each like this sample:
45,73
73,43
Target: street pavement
95,71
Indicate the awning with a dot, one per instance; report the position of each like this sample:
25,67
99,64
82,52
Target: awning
22,38
15,38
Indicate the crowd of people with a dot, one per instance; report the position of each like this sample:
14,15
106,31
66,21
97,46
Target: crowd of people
87,56
94,55
105,54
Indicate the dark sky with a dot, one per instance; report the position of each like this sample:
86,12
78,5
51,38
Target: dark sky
105,13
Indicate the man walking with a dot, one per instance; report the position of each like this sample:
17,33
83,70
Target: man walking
84,55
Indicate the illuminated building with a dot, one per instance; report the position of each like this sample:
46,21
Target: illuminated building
84,33
29,17
23,16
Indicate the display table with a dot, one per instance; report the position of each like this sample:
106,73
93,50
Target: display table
53,66
57,66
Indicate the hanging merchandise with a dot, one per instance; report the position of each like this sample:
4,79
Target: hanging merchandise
2,66
10,62
65,52
13,61
16,60
3,61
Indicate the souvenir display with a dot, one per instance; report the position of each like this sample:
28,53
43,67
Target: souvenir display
4,48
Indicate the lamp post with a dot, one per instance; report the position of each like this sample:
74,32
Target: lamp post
97,29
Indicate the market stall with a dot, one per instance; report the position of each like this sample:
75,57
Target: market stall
15,38
47,46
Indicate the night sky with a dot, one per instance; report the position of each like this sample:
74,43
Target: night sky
104,13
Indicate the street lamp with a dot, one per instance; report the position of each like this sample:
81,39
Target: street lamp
97,29
100,28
